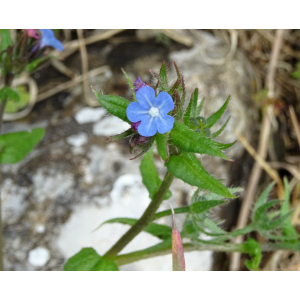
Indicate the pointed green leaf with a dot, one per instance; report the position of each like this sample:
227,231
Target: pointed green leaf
189,169
277,223
114,105
217,115
224,146
163,72
130,85
217,133
261,211
194,103
195,208
15,146
187,114
161,143
161,231
87,259
150,176
190,141
213,227
263,197
38,62
199,108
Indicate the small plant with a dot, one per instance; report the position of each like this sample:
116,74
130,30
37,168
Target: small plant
158,118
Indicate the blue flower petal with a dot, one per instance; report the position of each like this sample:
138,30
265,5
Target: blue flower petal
164,123
147,126
48,39
145,96
164,102
135,112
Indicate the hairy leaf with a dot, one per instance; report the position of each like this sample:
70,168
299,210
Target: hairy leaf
263,197
200,106
150,176
195,208
163,72
87,259
130,85
189,169
114,105
161,143
260,211
15,146
277,223
217,133
6,40
211,120
190,141
38,62
161,231
253,248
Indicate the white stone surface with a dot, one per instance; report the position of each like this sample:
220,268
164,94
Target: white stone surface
13,201
88,114
110,125
40,228
78,140
39,256
46,180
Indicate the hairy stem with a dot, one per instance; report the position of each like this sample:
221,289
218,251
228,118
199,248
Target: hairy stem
145,219
165,248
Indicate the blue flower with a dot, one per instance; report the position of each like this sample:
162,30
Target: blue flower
151,111
48,39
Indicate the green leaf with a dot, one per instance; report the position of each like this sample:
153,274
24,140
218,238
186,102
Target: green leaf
38,62
114,105
130,85
263,197
13,107
217,115
190,141
217,133
278,223
288,229
194,99
163,72
199,108
187,114
213,227
224,146
253,248
150,176
260,211
6,40
195,208
189,169
15,146
161,231
87,259
161,143
7,93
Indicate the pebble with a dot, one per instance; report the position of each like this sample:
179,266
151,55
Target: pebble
78,140
110,126
39,256
88,114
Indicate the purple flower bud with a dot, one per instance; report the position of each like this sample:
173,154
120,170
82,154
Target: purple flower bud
138,84
135,125
32,33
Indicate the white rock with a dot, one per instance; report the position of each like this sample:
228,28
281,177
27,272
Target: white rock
13,198
49,184
40,228
78,140
88,114
110,125
39,256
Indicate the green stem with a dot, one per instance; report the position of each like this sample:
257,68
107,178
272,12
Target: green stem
145,219
165,248
2,106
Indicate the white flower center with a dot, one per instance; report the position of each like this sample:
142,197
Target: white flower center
154,112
